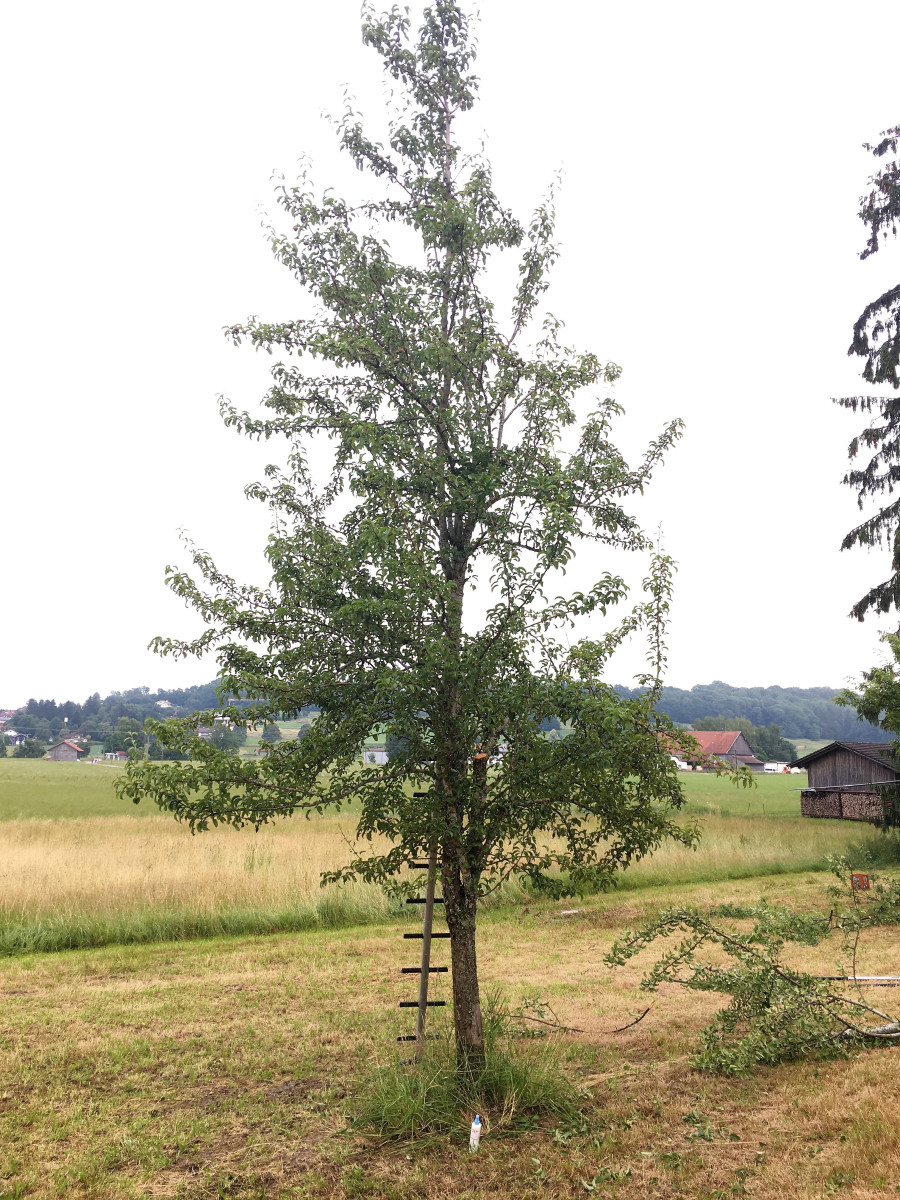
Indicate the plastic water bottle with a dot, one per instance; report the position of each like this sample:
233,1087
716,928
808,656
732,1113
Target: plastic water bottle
475,1135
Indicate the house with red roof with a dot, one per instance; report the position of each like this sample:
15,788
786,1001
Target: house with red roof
728,745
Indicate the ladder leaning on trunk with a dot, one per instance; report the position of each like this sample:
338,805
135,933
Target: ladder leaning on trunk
424,970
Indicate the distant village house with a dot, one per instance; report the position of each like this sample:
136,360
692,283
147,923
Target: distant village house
846,780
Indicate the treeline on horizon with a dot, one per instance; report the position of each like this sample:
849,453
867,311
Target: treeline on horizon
97,718
112,719
798,712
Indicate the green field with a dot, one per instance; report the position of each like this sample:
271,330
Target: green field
771,795
34,789
808,745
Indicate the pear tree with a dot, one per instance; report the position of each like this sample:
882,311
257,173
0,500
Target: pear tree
447,456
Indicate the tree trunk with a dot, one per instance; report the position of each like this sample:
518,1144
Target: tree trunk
460,902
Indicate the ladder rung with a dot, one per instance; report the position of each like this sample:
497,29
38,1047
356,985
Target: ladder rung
428,1004
413,936
407,1037
410,900
418,970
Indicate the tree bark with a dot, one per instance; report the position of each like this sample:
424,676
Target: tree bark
460,903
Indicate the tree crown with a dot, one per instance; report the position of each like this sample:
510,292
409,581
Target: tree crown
424,455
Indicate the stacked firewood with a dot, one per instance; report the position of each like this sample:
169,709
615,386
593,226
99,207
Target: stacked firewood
820,804
861,806
847,806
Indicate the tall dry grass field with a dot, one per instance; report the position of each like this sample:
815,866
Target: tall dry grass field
78,867
95,880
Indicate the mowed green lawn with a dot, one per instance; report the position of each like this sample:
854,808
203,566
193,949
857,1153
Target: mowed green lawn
230,1069
34,789
772,795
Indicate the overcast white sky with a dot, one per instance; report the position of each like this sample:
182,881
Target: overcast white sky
712,167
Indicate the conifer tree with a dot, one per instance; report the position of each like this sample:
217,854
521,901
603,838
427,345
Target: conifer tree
876,339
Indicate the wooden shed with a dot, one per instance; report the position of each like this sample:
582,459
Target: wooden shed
65,752
846,780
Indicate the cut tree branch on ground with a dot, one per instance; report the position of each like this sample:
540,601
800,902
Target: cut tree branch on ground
630,1024
775,1012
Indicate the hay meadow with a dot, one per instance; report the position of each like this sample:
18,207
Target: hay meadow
80,868
194,1016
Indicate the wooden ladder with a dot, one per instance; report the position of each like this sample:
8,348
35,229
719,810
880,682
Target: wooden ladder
424,970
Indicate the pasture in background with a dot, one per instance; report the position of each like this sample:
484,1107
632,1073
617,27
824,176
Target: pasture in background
82,868
34,789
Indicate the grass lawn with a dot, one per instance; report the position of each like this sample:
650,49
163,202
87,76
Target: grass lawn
772,795
34,789
228,1068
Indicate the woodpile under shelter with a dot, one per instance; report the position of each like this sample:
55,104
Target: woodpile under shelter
847,781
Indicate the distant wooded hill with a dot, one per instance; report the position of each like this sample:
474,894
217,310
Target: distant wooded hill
799,712
97,718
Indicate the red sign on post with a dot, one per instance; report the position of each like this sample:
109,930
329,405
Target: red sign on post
859,881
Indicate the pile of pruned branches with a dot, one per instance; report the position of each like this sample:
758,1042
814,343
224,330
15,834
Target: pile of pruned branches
776,1013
